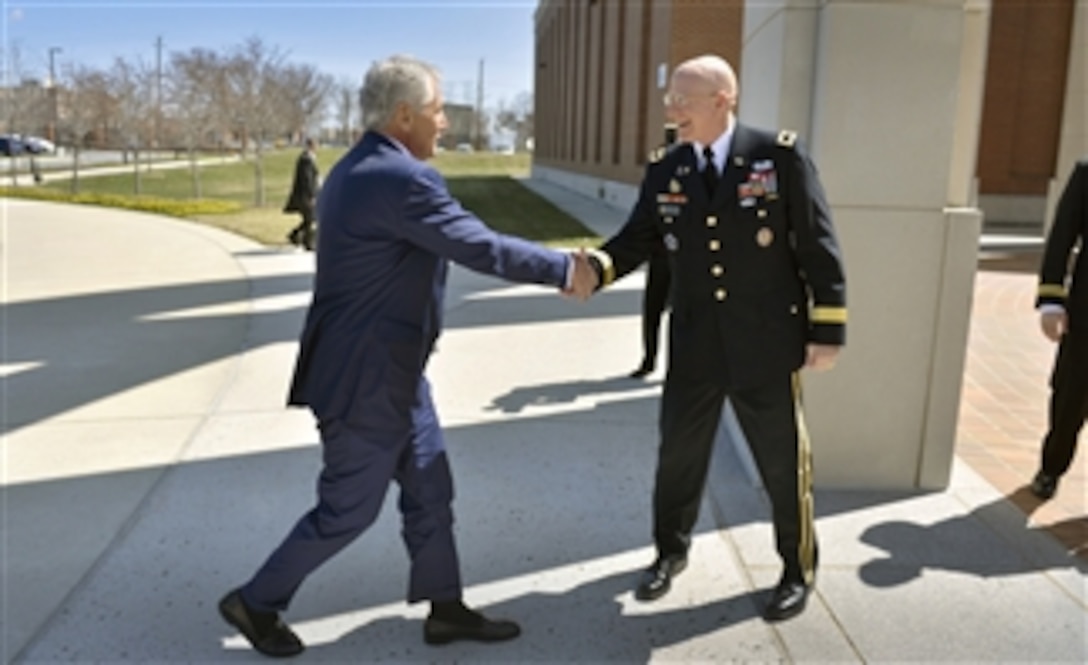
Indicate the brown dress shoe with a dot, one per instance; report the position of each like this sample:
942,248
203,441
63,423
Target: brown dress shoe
266,632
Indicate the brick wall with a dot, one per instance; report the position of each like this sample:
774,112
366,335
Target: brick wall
598,104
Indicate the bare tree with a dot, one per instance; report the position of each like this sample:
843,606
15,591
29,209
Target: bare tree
305,96
254,84
197,97
23,99
132,86
84,91
345,100
517,117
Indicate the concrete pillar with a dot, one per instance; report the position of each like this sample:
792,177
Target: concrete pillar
887,95
1073,140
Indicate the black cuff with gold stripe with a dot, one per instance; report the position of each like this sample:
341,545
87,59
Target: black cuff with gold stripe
1051,294
602,263
828,324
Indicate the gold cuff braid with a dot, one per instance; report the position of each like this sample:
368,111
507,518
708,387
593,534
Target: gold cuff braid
608,270
826,314
1052,291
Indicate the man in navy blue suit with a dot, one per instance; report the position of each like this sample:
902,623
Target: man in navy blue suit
389,228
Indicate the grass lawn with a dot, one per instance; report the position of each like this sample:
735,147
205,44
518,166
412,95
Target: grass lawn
485,183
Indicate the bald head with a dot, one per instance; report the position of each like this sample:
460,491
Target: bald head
701,98
712,70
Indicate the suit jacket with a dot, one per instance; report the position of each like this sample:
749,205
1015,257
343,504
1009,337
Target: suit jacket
1057,270
756,270
304,186
388,229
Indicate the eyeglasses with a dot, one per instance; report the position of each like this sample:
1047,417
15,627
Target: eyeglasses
679,101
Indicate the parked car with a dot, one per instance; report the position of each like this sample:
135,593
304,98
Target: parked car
38,145
10,145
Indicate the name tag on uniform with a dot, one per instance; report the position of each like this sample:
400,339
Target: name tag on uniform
680,199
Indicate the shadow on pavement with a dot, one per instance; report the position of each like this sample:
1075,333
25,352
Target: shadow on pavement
967,543
84,348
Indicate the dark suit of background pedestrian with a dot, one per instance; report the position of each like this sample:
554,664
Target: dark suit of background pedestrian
1063,303
303,197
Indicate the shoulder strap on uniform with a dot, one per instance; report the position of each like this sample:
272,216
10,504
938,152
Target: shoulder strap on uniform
786,138
658,153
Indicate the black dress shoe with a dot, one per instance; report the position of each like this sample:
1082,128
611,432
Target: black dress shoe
657,579
787,600
266,632
1044,485
642,371
476,627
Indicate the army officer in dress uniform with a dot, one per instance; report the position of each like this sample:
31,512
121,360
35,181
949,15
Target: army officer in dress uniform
1063,312
758,293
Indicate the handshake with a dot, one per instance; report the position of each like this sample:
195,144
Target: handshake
585,276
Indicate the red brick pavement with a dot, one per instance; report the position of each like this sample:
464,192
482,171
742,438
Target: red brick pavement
1005,392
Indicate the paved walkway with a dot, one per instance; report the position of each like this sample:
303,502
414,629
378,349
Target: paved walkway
149,465
56,168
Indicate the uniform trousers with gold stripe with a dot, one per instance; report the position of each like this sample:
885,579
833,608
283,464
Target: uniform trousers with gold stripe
770,417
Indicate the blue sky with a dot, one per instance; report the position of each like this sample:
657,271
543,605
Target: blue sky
339,38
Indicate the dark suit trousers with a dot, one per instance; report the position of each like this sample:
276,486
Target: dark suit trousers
306,210
1068,403
771,420
358,467
654,301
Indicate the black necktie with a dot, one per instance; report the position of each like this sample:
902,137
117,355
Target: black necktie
710,171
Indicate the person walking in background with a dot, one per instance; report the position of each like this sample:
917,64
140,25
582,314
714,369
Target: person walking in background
758,292
1062,302
303,197
389,230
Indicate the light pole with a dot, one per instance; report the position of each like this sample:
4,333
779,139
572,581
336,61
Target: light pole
53,50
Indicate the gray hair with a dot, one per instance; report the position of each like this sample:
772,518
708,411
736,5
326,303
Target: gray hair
392,81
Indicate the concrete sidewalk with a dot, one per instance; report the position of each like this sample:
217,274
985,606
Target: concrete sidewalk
150,466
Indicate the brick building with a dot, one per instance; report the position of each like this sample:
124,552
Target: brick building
601,66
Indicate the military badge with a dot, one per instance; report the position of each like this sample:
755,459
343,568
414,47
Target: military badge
674,186
683,170
738,161
762,183
764,237
671,243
